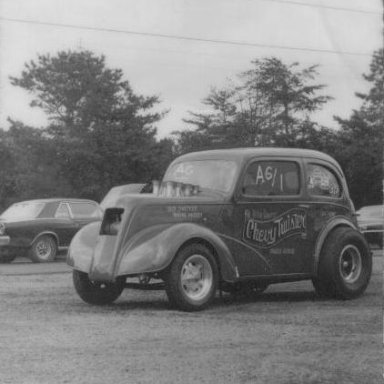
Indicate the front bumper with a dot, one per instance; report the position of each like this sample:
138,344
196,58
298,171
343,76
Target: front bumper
5,240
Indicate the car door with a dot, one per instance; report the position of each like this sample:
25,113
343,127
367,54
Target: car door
65,226
272,213
326,195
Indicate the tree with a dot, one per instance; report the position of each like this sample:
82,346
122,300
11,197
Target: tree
361,139
270,105
104,133
7,171
77,91
29,173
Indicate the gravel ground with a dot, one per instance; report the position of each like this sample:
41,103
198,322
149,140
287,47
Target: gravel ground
287,335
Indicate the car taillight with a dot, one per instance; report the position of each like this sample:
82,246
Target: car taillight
2,229
111,221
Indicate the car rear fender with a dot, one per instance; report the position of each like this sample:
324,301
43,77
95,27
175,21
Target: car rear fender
153,249
328,228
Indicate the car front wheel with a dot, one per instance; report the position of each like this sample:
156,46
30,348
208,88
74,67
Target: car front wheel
345,265
43,249
191,282
94,292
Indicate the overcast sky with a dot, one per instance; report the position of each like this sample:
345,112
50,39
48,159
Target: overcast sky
339,35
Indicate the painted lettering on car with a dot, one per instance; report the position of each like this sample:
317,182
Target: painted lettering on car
267,233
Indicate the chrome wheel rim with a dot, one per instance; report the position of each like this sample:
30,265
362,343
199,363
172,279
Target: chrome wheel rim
196,277
350,264
43,249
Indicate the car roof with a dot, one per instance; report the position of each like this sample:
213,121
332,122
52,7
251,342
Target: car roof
241,154
57,200
244,153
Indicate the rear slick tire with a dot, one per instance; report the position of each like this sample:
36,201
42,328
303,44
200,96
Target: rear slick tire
94,292
345,265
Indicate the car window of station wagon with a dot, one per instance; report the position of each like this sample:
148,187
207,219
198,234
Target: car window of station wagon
272,178
23,211
62,212
84,210
322,182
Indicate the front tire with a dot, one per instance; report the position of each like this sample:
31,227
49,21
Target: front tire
345,265
192,279
97,293
43,249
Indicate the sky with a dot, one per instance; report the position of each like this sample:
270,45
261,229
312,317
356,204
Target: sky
202,44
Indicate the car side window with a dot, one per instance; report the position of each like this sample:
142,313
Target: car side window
62,212
322,181
272,178
84,210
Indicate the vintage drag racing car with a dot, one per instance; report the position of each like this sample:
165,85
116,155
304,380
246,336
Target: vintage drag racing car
233,220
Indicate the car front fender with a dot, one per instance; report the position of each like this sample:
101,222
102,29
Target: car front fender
154,248
81,249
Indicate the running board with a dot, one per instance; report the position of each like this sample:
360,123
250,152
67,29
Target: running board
145,287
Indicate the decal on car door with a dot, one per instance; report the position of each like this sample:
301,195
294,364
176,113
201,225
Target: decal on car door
268,233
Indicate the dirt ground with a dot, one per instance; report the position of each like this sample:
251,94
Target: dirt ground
287,335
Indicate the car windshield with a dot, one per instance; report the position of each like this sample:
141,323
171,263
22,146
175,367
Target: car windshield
375,211
218,175
22,211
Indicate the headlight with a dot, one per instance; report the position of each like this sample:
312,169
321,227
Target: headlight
2,229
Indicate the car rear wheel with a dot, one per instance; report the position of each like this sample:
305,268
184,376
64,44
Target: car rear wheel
191,282
345,265
43,249
94,292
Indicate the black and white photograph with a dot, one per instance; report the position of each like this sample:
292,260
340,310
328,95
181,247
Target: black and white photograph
191,191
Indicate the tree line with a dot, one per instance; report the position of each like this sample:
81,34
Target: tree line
101,134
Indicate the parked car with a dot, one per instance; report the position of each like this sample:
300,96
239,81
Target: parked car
38,229
371,223
233,220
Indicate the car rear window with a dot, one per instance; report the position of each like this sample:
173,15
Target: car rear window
62,212
272,178
84,210
322,181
